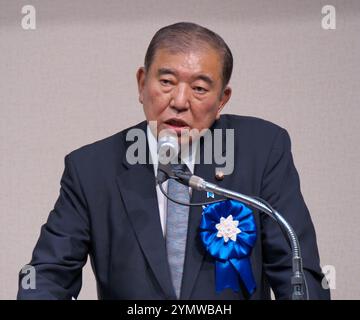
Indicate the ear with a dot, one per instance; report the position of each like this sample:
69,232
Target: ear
140,77
225,96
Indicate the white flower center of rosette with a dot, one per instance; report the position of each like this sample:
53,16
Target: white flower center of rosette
227,228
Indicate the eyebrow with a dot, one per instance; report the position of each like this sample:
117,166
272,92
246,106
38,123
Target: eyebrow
163,71
204,77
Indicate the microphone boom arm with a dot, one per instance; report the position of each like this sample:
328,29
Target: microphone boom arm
298,280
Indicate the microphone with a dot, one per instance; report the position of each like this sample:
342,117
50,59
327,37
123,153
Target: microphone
168,150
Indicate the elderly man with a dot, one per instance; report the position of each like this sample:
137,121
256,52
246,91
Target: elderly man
143,246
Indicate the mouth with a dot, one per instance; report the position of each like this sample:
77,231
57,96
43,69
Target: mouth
176,123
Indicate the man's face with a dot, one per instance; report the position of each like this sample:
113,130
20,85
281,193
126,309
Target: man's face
183,91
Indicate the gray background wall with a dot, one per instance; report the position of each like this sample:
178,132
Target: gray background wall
72,81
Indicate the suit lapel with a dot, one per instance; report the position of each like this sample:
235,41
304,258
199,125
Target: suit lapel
138,191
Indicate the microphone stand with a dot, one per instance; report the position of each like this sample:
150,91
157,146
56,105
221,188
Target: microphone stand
298,281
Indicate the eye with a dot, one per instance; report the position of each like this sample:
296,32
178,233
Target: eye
198,89
165,82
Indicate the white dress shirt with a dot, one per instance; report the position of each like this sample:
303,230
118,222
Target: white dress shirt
188,158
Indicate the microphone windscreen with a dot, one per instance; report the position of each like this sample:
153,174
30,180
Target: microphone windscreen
168,148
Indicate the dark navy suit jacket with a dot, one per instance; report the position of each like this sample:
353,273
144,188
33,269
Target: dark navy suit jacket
107,209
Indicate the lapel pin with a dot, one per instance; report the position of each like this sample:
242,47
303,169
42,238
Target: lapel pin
210,195
219,175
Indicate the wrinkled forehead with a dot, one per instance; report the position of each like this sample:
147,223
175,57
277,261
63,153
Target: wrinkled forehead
203,59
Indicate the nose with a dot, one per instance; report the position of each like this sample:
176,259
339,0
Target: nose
180,99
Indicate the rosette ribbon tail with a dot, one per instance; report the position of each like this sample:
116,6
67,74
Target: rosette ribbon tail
243,268
226,276
228,273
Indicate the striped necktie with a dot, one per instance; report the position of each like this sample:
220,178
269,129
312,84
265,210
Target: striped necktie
176,229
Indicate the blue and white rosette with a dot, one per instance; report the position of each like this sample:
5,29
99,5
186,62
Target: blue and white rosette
228,232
